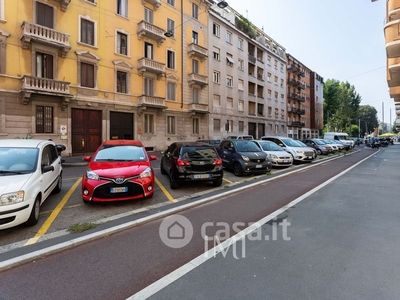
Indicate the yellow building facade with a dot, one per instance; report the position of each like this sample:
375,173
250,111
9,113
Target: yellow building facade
83,71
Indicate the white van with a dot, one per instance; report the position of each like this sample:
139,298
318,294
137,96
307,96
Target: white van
339,136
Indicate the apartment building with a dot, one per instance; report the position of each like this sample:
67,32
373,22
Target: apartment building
391,30
316,104
84,71
248,72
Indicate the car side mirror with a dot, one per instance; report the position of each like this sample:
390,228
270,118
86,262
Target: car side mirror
46,169
86,158
153,157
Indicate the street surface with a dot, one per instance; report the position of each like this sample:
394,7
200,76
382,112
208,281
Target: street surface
338,225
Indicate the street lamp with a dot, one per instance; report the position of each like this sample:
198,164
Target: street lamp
222,4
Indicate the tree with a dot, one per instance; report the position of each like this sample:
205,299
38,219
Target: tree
394,129
368,119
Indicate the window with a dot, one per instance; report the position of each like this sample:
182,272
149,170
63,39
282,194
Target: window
44,65
229,37
276,96
148,123
216,30
170,124
87,75
121,82
122,7
44,119
229,103
149,86
241,64
195,125
240,105
216,76
148,15
269,111
229,81
276,64
252,108
216,52
148,50
195,11
217,125
170,59
276,80
171,91
269,60
316,87
171,27
282,97
229,59
240,84
195,37
241,126
2,10
260,109
195,95
44,15
122,42
240,44
282,83
269,94
281,67
195,66
269,77
217,101
87,32
171,2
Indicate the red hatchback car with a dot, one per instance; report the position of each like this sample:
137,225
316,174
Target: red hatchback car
119,170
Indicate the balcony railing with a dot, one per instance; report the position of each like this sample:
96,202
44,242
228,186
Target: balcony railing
198,79
296,97
151,31
198,107
155,3
45,85
197,50
252,59
152,66
152,101
44,35
296,124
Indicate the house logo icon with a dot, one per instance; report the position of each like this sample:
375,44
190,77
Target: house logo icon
176,231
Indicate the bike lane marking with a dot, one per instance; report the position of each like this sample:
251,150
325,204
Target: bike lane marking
45,227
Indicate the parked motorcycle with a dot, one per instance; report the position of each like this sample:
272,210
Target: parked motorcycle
375,145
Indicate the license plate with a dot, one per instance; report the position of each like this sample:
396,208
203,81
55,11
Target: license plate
285,161
309,157
258,166
201,176
122,189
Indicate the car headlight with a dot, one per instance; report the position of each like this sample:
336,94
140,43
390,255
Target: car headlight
273,156
12,198
92,175
146,173
245,158
299,152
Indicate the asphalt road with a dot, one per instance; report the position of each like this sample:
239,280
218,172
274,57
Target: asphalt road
124,263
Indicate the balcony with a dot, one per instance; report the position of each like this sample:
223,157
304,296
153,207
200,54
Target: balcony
296,97
151,66
151,31
296,124
393,10
146,101
155,3
197,51
45,86
44,35
198,79
198,108
293,82
393,71
252,59
394,92
64,4
292,67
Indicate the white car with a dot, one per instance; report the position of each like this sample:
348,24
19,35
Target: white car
276,154
30,170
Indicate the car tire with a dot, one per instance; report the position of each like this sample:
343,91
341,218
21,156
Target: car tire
162,170
319,152
58,187
34,216
237,169
217,182
172,183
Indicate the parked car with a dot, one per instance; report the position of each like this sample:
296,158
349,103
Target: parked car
211,142
240,137
244,157
319,146
276,154
335,143
298,152
119,170
30,170
339,136
191,161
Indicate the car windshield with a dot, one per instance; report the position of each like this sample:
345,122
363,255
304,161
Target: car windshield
319,142
120,153
291,143
247,146
18,160
198,152
270,146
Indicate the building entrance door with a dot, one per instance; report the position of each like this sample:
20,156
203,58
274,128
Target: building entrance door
86,131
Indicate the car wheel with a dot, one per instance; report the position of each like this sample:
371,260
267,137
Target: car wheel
34,216
172,183
162,170
217,182
58,187
319,152
237,169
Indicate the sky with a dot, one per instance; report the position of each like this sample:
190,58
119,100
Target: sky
338,39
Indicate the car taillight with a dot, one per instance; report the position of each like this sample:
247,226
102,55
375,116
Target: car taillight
182,162
217,162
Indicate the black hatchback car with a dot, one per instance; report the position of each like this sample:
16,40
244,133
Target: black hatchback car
191,161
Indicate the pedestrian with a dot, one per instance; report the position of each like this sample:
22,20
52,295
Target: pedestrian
358,142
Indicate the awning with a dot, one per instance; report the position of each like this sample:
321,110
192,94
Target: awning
230,60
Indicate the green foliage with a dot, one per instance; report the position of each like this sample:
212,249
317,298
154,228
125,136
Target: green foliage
76,228
394,129
246,26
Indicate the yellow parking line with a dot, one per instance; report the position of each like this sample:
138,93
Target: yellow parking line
166,193
227,180
42,231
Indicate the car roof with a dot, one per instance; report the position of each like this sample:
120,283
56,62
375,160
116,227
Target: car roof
30,143
123,142
192,144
